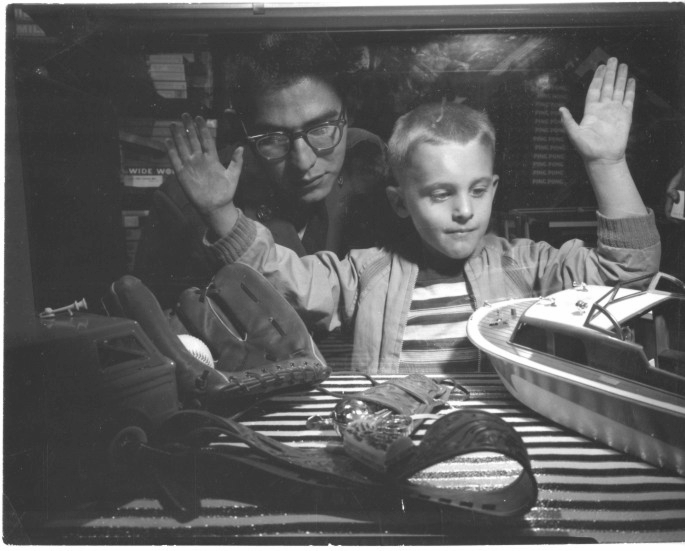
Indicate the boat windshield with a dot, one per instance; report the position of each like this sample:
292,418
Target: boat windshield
660,331
647,347
623,301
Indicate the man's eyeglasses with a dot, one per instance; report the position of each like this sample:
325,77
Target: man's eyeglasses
322,138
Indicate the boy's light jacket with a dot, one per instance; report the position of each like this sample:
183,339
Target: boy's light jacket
369,292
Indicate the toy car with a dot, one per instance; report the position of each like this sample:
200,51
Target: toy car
70,386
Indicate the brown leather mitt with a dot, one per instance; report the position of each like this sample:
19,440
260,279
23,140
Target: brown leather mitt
258,340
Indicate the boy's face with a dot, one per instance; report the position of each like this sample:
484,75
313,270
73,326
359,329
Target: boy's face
448,191
303,174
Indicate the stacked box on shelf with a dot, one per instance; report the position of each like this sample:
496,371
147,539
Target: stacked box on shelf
183,76
168,73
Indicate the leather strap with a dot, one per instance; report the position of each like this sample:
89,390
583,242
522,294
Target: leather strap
454,434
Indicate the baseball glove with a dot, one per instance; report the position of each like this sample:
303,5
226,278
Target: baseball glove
259,343
258,340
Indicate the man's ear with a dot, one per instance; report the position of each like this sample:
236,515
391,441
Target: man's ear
396,200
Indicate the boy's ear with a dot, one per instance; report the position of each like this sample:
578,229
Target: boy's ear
396,200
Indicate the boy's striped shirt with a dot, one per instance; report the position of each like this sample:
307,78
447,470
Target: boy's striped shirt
435,338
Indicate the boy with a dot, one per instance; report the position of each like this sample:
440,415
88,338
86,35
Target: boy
442,158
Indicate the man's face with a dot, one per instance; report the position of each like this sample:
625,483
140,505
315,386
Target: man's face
303,174
448,191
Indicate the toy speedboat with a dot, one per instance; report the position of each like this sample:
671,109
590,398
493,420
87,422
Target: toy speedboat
606,362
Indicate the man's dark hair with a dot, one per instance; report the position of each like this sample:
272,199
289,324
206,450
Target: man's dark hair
278,60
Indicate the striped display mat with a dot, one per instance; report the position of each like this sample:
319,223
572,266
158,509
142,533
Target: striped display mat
587,492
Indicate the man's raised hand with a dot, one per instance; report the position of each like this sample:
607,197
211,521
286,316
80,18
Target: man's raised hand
209,186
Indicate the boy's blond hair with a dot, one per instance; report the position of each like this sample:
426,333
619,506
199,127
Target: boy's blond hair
438,124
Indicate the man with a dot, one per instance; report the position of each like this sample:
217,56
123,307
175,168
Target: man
316,183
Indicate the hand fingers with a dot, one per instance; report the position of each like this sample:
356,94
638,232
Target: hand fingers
235,167
611,83
567,121
180,141
595,88
620,84
206,141
191,133
172,153
608,84
629,97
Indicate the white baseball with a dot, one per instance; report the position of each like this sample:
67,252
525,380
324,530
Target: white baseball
198,349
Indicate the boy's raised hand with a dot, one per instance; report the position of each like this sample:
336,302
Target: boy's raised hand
601,139
602,134
209,186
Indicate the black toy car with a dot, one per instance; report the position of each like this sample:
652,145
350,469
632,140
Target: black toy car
70,387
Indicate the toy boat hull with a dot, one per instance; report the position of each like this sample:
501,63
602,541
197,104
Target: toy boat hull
626,415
